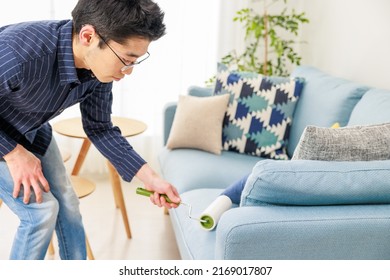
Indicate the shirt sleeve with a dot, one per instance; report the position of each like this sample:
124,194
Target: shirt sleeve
9,70
7,144
96,118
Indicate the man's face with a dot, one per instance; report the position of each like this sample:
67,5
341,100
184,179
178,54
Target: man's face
108,63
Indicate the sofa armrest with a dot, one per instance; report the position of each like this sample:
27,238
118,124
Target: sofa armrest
301,232
169,115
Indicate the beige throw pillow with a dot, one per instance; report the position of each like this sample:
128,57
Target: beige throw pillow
198,123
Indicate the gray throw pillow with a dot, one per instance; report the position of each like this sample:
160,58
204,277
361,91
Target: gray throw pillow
350,143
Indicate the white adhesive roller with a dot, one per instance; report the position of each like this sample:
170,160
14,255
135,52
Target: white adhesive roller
211,215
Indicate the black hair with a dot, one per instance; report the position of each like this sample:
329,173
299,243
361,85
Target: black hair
119,20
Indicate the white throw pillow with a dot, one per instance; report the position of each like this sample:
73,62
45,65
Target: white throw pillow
198,123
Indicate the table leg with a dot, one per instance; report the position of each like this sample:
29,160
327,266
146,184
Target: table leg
89,250
115,181
118,195
81,157
51,247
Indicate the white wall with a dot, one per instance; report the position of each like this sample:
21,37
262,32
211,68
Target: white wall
185,56
349,38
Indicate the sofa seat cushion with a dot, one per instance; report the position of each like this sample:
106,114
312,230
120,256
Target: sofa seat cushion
340,232
193,241
313,182
282,232
188,169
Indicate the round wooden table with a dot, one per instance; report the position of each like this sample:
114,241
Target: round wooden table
74,128
129,127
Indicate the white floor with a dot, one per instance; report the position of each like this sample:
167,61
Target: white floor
152,234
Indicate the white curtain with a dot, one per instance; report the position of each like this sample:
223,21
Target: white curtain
199,32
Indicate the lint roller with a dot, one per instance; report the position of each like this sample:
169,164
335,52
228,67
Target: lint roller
210,216
214,211
145,192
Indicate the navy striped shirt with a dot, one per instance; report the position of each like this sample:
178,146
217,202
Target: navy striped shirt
38,80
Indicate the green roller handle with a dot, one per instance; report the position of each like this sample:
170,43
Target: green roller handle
206,221
147,193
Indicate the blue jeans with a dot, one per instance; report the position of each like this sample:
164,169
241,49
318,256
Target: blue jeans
59,210
234,191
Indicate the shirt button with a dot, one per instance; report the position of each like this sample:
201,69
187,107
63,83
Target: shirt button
61,110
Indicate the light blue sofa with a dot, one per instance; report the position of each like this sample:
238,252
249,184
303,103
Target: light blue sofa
273,231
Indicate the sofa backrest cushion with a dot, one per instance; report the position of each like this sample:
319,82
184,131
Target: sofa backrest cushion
324,101
200,91
373,108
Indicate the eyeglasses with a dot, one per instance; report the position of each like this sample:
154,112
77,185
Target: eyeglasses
129,65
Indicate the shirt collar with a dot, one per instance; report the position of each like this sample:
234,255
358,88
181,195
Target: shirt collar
66,65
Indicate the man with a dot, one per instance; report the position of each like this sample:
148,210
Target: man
46,67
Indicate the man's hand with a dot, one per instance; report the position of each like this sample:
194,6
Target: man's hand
155,183
26,171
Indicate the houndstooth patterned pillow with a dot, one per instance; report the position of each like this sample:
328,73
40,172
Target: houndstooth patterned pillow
350,143
260,111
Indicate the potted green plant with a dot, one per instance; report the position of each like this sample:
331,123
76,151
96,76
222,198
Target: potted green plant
270,40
